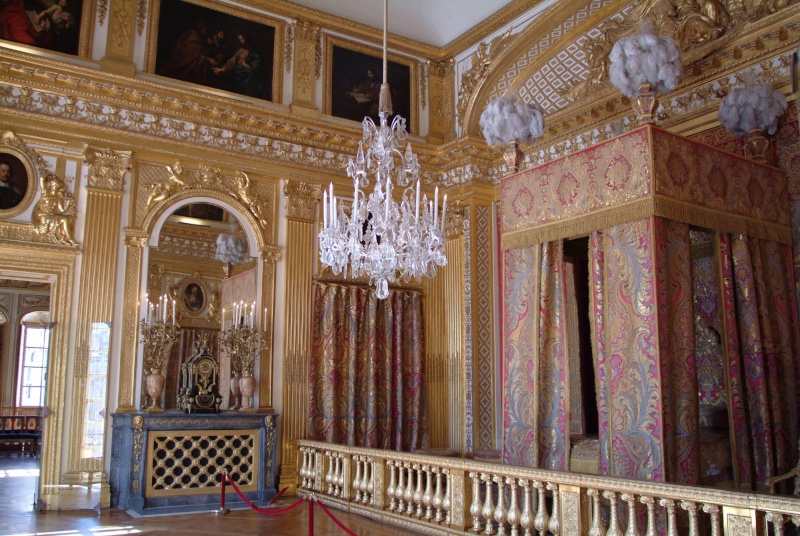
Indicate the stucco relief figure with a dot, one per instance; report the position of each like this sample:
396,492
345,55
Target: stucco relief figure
252,201
54,214
160,191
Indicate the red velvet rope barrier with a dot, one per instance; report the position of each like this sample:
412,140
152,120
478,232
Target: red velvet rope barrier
270,512
273,512
338,523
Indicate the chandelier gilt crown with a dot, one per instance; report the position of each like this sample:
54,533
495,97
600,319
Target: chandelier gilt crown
377,237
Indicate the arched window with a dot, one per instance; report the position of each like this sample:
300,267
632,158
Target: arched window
33,356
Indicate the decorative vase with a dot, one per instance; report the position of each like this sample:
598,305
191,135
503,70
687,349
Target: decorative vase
756,145
236,394
247,385
154,383
513,156
645,104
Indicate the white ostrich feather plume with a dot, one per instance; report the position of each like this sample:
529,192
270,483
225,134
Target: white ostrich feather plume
752,106
231,248
645,58
504,120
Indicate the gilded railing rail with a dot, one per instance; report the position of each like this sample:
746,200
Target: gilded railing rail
439,495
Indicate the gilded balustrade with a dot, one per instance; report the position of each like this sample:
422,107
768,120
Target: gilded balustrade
439,495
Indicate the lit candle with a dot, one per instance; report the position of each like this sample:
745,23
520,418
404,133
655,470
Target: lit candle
223,319
252,310
242,312
332,201
164,319
444,211
325,209
264,324
173,312
435,206
416,216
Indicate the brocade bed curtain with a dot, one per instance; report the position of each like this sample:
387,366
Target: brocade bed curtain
367,370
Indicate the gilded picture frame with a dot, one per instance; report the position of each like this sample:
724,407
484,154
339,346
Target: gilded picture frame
247,37
62,26
18,182
347,66
192,296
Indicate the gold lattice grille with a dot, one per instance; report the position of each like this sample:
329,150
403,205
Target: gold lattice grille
182,462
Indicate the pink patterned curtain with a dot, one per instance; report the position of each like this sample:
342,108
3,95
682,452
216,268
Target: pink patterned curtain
763,355
367,369
597,268
535,383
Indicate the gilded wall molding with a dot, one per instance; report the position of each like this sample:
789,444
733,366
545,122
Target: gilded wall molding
141,16
272,254
301,200
107,167
423,84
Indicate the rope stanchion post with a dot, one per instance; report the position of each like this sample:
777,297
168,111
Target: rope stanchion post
311,516
222,510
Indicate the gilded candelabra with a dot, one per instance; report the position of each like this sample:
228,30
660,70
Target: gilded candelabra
242,343
158,336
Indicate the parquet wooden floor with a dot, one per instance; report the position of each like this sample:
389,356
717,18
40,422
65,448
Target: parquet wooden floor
18,478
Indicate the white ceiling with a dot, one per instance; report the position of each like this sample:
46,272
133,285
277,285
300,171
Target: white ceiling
435,22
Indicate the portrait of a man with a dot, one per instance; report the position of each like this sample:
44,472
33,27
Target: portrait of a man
51,24
193,298
210,48
13,181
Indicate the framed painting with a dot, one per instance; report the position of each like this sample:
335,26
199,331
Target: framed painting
17,182
192,296
217,47
50,24
353,81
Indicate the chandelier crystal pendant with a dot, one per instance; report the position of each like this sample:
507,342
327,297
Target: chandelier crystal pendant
377,237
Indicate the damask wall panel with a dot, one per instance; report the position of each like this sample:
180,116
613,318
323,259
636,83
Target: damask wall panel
520,313
677,351
633,373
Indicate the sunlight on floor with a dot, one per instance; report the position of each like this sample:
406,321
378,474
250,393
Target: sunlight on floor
12,473
97,531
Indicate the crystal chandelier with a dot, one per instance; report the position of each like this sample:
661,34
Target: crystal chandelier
378,237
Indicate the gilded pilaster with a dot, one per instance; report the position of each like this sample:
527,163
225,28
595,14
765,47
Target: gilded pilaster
107,169
442,121
307,64
453,278
119,47
435,318
301,208
270,255
135,242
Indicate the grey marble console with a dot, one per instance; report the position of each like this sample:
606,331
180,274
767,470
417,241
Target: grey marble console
172,462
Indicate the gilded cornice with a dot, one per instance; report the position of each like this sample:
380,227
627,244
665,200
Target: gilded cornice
107,167
301,200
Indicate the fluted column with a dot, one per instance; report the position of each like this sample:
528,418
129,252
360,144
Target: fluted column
107,169
301,207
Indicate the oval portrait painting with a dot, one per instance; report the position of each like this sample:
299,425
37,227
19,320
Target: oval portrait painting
14,181
193,298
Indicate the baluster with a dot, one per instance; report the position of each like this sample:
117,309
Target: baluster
448,482
796,520
408,496
513,509
438,498
371,481
713,511
669,504
427,497
500,511
329,474
357,479
692,509
597,527
555,517
337,475
777,522
488,504
633,530
391,488
302,471
541,520
613,523
475,507
651,515
526,518
366,480
399,491
418,492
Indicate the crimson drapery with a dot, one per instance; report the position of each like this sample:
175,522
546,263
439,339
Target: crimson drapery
763,355
367,370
